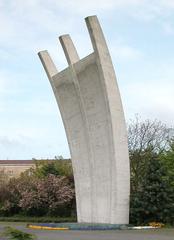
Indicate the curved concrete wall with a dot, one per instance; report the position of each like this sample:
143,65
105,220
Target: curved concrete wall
91,109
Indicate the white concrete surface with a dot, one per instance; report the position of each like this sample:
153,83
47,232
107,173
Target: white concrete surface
92,112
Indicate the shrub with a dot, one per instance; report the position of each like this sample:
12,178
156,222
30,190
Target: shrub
154,200
51,195
15,234
47,196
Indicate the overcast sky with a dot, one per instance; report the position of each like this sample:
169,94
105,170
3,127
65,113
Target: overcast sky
139,34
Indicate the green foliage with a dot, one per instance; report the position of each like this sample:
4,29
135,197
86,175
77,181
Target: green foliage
15,234
52,195
9,197
153,201
167,157
47,189
152,171
145,138
55,167
139,163
20,218
43,169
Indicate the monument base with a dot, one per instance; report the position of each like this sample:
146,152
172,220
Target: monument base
78,226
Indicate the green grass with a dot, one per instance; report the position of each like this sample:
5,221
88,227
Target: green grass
16,234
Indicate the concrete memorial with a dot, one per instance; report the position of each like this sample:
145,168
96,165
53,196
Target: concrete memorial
89,101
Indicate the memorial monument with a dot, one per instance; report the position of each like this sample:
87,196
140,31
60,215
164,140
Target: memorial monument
89,101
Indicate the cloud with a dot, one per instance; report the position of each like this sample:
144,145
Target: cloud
167,3
55,16
9,146
123,52
29,114
150,103
73,6
8,142
152,95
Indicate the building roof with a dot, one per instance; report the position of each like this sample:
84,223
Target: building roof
20,162
17,162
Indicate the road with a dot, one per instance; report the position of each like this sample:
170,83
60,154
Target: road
158,234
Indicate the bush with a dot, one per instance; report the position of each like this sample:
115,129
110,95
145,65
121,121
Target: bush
55,167
44,219
51,195
15,234
154,200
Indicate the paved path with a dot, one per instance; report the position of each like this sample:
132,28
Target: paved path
160,234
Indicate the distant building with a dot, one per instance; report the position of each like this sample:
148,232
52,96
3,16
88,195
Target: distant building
13,168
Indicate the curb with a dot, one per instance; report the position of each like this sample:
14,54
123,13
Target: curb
77,226
46,228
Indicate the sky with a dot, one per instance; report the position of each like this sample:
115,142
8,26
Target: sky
140,37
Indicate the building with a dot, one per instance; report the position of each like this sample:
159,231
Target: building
13,168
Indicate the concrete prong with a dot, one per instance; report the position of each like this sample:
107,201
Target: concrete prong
69,49
96,34
48,64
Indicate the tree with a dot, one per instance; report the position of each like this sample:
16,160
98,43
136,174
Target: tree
55,167
144,139
46,196
154,201
51,195
167,157
10,195
148,134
